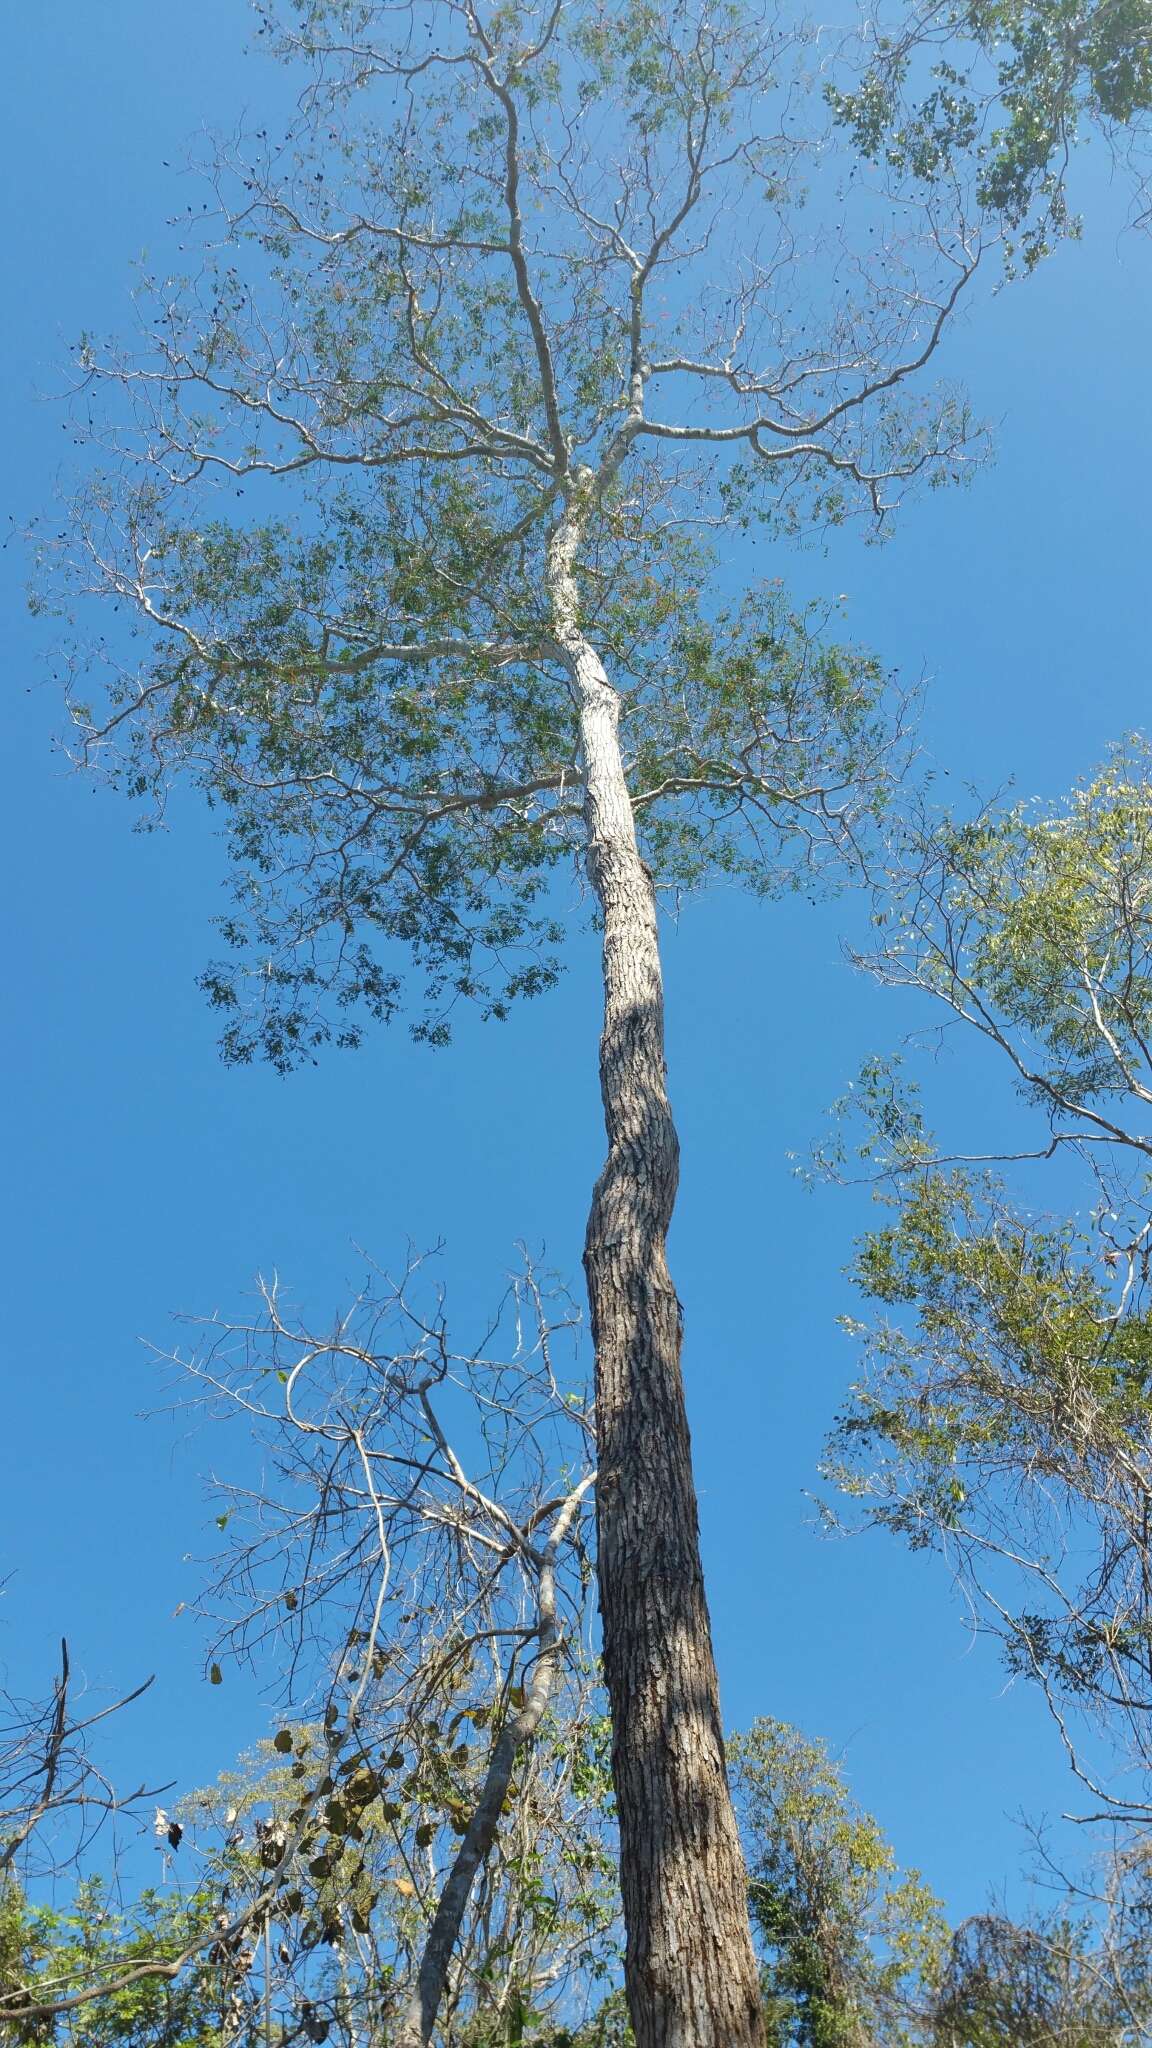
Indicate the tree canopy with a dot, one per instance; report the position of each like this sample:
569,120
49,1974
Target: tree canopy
494,266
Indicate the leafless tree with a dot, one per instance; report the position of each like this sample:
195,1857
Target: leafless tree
1079,1976
416,1547
53,1794
420,1551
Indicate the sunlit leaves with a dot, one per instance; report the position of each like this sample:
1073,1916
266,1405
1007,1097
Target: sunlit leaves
1019,84
854,1947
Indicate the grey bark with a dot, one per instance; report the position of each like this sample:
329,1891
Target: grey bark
690,1969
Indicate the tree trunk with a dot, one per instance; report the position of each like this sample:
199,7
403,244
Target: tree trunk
690,1971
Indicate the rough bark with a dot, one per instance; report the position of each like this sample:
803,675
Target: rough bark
690,1971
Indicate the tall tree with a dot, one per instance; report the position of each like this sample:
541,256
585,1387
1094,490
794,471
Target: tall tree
528,303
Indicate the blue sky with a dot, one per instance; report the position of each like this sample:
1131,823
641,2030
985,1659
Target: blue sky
146,1179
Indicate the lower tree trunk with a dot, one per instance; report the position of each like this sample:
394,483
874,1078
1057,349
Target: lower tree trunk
690,1970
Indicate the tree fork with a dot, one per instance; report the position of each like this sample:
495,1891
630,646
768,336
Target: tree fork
690,1969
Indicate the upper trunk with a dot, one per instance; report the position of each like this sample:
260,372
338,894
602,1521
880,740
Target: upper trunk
690,1970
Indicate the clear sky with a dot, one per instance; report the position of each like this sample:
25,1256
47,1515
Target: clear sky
144,1178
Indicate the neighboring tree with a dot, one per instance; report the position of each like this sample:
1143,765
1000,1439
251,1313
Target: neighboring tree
211,1957
1005,1413
532,303
45,1949
858,1954
56,1805
537,1955
54,1798
853,1947
1057,1983
416,1561
414,1564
